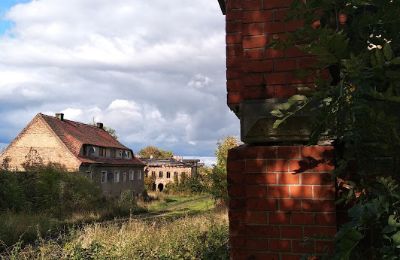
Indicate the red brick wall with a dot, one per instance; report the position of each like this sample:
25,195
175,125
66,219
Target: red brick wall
282,201
255,71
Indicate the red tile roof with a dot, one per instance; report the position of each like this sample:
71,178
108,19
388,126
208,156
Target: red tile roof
75,134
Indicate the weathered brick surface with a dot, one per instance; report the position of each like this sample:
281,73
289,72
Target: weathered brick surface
282,201
254,70
49,148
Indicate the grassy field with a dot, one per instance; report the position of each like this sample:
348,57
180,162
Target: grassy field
175,227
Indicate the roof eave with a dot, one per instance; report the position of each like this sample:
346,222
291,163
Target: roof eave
223,6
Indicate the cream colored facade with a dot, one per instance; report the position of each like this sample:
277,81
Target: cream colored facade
167,171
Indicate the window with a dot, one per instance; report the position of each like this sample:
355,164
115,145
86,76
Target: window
102,152
146,173
139,174
175,174
103,177
112,153
168,175
91,151
124,177
126,155
153,174
131,175
160,174
116,176
120,153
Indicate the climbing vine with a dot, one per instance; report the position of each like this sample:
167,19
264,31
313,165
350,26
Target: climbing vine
356,103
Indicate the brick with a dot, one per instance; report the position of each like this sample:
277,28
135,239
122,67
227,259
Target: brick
278,192
280,15
314,178
273,4
285,65
324,167
236,216
253,79
289,204
237,203
235,178
323,232
257,244
263,231
233,15
256,217
256,191
273,53
250,42
233,62
302,218
275,27
236,166
258,92
252,4
318,205
325,219
254,54
233,74
279,218
324,192
258,16
261,152
294,52
256,166
234,85
234,38
237,241
279,245
289,152
234,50
261,204
253,29
263,255
236,227
277,165
288,178
236,191
233,27
291,257
285,91
258,66
269,178
301,192
292,232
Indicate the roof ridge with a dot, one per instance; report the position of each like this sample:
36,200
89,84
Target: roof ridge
86,124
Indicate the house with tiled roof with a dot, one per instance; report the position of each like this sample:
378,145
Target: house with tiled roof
84,148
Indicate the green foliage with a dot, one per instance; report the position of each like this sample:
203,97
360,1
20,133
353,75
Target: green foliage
358,106
187,185
155,152
218,175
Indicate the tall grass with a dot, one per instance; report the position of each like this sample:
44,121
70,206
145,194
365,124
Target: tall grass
196,237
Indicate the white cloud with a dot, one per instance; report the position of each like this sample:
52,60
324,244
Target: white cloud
153,70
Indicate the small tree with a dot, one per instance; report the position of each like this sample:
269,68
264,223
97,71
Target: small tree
218,176
155,152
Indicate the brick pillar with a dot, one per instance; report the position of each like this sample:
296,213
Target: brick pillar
282,201
282,196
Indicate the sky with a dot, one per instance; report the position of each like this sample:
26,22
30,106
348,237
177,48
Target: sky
152,70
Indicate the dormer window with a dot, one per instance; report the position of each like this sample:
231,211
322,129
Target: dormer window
120,153
125,155
91,151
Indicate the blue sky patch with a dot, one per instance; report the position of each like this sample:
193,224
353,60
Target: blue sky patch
5,5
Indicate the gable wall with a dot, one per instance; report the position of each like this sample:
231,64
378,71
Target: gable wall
39,137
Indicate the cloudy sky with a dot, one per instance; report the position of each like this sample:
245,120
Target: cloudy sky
153,70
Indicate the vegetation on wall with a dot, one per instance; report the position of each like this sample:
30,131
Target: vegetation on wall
355,101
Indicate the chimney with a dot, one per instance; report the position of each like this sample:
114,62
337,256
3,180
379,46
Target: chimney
60,116
100,125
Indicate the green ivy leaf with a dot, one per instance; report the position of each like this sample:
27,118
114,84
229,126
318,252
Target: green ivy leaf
388,52
396,238
393,221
